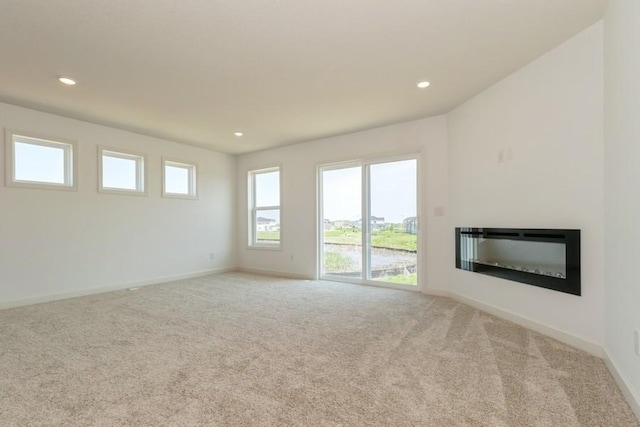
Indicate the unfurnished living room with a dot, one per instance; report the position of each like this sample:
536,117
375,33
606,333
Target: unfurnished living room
320,213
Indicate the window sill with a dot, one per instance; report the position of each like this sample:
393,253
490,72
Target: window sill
179,196
265,247
122,192
41,185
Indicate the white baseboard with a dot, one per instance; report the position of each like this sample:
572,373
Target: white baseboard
275,273
565,337
103,289
632,398
436,293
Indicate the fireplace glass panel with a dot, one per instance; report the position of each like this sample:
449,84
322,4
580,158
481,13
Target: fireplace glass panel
545,258
548,258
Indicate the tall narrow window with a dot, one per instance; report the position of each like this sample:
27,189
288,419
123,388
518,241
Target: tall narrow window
264,202
38,162
179,179
121,172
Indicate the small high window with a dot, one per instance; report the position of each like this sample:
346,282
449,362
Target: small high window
179,179
40,162
121,172
264,202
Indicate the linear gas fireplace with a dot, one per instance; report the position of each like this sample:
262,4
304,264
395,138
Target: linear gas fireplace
545,258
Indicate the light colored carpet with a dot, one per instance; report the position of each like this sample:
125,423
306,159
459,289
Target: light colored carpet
243,350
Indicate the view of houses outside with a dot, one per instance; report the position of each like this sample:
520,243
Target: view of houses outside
268,226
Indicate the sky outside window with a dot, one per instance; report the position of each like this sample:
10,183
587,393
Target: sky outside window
267,189
394,190
39,163
394,185
176,179
342,192
118,172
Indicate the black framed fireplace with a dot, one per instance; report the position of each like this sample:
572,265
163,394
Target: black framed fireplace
549,258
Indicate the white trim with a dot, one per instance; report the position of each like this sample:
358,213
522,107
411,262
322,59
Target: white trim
365,222
69,147
565,337
421,190
436,293
194,185
103,289
267,169
319,217
276,247
275,273
141,171
373,283
632,397
372,158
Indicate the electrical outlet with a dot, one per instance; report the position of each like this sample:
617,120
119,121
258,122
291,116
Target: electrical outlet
500,156
212,255
637,342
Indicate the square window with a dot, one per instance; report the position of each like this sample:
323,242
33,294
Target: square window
264,202
40,162
179,179
121,172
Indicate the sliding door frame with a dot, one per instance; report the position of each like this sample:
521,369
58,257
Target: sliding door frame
365,164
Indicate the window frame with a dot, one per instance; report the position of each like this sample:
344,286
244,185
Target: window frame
141,171
192,168
70,156
253,209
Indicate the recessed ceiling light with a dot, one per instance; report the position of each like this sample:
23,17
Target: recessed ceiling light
422,85
238,134
67,80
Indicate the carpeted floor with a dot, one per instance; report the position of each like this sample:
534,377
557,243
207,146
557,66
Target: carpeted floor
243,350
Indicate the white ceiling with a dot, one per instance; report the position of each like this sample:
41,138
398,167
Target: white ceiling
281,71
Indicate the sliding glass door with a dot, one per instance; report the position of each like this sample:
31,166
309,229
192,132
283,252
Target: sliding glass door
342,222
369,222
393,234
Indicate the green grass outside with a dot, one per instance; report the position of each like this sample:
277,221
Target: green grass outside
270,236
404,279
335,262
391,239
381,238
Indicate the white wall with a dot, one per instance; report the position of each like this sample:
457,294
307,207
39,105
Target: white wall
622,188
299,164
547,119
57,242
